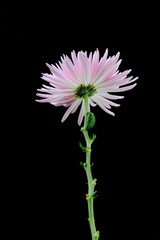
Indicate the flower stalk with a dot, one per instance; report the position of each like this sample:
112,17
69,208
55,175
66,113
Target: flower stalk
87,166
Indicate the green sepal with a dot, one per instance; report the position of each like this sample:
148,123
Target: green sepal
90,117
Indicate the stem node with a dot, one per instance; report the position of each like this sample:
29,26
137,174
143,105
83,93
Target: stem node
96,235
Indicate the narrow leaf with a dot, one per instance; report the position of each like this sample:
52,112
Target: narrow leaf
84,149
92,138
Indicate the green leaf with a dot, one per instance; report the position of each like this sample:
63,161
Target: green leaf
90,117
84,149
92,138
94,195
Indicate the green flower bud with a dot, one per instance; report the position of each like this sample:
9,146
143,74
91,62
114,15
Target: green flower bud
90,117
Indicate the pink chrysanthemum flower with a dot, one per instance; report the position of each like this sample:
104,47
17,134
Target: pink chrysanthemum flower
72,79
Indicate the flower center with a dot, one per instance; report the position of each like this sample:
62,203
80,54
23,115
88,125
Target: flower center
82,90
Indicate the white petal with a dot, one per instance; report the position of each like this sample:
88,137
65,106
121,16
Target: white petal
95,60
77,105
109,96
69,110
74,57
47,87
123,89
91,102
128,80
102,100
117,56
81,114
63,102
90,58
105,54
102,106
107,102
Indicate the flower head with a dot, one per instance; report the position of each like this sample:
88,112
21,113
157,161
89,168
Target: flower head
71,80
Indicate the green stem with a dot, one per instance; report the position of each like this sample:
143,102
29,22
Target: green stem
91,181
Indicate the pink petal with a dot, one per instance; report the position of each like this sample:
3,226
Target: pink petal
72,71
60,75
103,70
94,64
53,81
85,68
118,77
110,69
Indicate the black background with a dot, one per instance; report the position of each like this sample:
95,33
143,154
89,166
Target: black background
44,183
